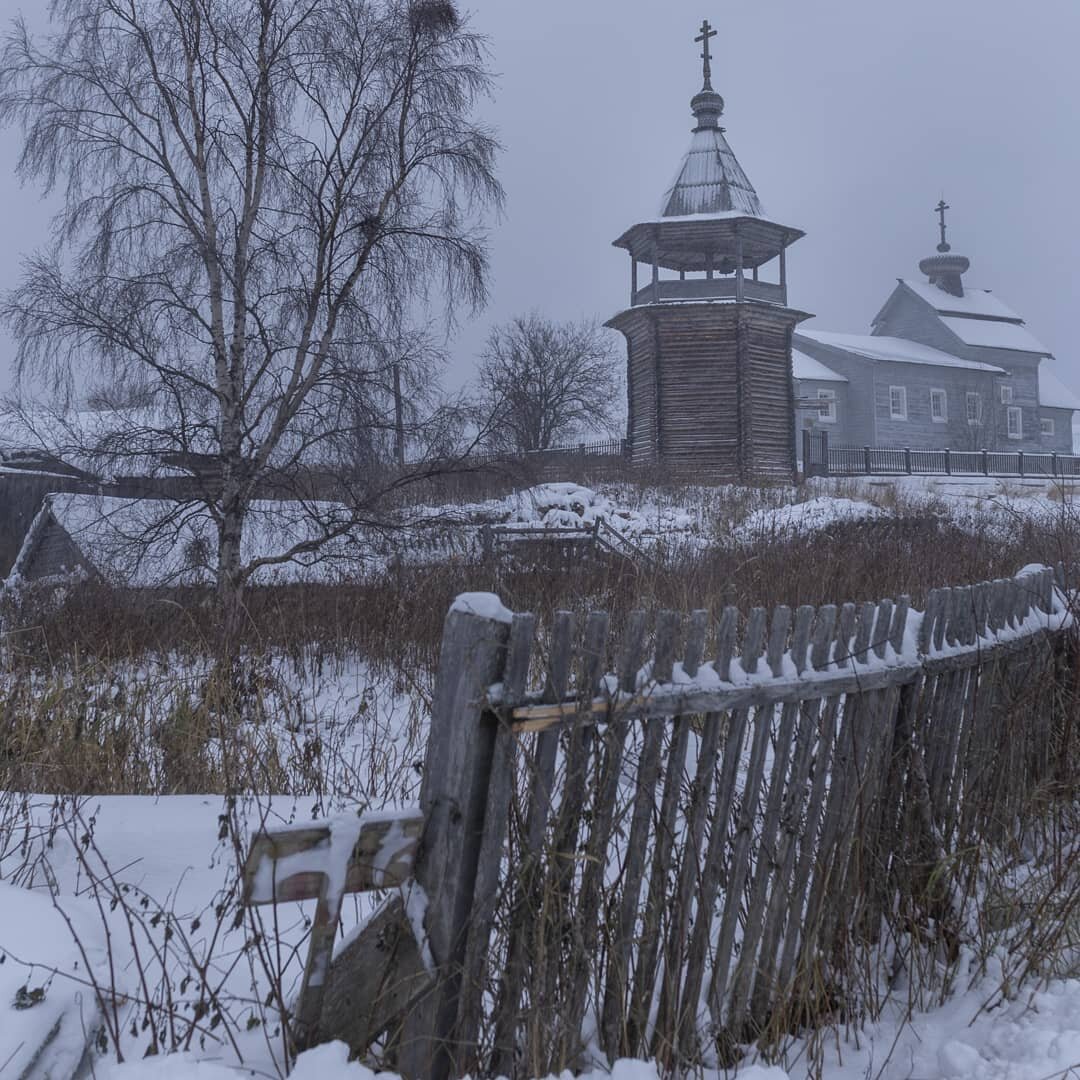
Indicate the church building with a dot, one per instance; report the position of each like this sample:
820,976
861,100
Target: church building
722,376
945,365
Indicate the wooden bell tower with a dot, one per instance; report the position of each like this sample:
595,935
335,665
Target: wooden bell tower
709,330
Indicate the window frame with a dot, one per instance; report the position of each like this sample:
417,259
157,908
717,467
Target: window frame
903,414
944,398
973,397
1047,426
1014,411
828,416
1006,394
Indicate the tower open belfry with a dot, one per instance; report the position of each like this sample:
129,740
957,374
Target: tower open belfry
709,328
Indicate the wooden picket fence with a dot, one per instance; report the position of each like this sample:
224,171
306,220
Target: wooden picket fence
714,840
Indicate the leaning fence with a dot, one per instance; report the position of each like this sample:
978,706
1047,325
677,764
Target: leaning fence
666,841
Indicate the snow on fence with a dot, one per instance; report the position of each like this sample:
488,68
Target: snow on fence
820,458
711,842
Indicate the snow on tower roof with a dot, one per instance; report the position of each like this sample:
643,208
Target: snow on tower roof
710,181
896,350
974,302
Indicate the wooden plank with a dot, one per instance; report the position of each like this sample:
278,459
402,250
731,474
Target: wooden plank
493,843
709,879
274,870
603,822
373,980
453,796
613,1027
657,899
523,922
767,860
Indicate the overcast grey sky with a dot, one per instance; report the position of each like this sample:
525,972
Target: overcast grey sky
851,118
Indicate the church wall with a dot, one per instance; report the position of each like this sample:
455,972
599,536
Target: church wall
809,418
855,423
1062,439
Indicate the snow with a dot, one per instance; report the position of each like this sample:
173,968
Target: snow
802,517
1053,393
895,350
805,367
973,302
992,334
484,605
38,956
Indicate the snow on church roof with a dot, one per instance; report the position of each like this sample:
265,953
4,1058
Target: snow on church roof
979,318
896,350
976,302
994,334
804,367
710,181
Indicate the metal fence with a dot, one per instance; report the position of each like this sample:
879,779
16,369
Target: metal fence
820,458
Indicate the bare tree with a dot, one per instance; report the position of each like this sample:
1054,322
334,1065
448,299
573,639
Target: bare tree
543,382
256,193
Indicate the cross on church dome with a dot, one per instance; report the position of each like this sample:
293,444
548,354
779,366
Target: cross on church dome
707,32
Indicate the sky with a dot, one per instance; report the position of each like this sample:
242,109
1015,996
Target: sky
852,118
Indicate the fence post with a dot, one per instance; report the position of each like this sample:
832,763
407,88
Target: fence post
948,461
824,453
806,453
985,462
453,796
907,460
1020,462
866,460
1053,463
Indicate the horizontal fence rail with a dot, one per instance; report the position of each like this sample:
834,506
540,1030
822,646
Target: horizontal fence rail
822,458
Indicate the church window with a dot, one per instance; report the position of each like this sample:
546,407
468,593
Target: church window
1046,425
939,411
1015,419
827,410
1006,395
974,407
898,402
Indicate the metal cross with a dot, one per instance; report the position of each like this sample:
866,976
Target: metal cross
707,32
941,208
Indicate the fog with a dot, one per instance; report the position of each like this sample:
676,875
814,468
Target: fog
851,119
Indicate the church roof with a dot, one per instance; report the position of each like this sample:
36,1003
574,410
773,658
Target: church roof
895,350
994,334
710,181
974,302
805,367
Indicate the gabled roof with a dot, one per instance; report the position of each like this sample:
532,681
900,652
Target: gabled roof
894,350
977,318
805,367
154,543
1053,393
710,181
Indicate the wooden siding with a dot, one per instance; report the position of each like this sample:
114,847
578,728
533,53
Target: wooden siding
710,389
50,551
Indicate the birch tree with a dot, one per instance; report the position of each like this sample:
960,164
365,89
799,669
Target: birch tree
255,195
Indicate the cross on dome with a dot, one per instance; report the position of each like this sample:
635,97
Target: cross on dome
940,210
707,32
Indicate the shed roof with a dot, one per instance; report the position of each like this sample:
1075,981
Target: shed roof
1053,393
895,350
804,367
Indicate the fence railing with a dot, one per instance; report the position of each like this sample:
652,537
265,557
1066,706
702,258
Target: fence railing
703,843
821,458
